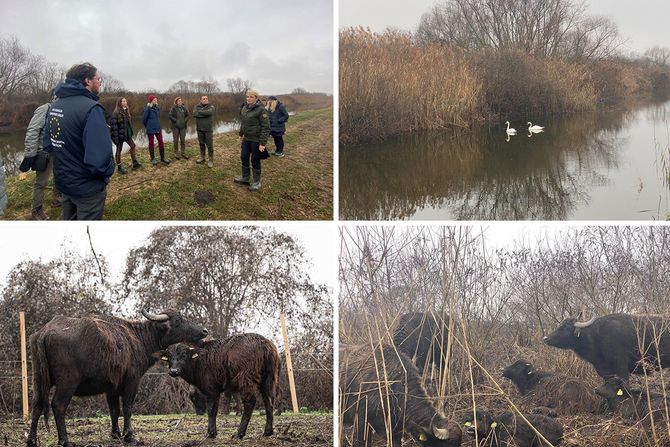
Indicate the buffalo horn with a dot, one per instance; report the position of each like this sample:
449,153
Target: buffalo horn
440,433
155,317
580,325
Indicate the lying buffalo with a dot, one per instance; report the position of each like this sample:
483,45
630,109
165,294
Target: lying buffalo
382,389
423,336
631,403
564,394
244,364
99,354
616,344
509,429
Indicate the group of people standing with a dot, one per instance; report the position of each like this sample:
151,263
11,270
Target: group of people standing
71,136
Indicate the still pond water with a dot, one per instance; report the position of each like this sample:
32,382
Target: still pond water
12,144
605,165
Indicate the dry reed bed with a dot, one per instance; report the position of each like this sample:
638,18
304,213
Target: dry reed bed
389,84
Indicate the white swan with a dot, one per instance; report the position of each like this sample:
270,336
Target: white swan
510,131
534,128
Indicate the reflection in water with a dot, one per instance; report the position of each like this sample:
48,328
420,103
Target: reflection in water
586,166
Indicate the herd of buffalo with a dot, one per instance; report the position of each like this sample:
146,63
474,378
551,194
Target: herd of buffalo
382,394
104,354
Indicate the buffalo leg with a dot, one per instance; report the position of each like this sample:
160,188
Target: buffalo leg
59,405
360,428
114,412
128,398
38,408
249,402
212,409
269,412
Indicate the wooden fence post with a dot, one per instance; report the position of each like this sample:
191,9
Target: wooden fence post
289,365
24,365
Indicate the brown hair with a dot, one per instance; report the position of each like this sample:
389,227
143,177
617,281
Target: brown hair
118,108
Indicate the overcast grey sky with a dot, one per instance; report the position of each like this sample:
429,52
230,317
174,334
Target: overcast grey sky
150,44
643,23
19,241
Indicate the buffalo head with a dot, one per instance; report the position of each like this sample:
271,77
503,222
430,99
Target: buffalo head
174,328
566,334
180,359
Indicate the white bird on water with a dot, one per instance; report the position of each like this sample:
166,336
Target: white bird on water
532,128
510,131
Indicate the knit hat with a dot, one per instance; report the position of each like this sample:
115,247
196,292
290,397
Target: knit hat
272,97
151,98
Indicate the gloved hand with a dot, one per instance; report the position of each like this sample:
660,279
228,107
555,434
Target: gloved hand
27,163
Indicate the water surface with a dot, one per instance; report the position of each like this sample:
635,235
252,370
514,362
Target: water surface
605,165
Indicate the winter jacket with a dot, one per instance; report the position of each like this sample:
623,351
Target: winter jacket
203,117
3,190
278,118
34,137
120,127
178,117
151,118
77,137
255,125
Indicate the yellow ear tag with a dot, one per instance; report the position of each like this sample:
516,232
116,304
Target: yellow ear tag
619,393
494,425
468,424
422,437
195,354
164,358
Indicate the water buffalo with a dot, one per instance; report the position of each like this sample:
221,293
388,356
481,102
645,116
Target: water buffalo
382,389
424,337
244,363
631,403
565,394
616,344
99,354
509,429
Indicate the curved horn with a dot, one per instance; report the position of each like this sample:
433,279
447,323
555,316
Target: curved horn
580,325
155,317
440,433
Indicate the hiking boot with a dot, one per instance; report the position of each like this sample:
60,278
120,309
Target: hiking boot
38,214
209,164
121,170
176,157
256,184
200,161
278,154
165,161
154,161
184,156
244,178
136,164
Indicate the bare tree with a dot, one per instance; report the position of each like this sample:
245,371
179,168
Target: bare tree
238,87
658,55
17,65
554,28
110,84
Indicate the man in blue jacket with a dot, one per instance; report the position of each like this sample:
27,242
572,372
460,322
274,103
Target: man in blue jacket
77,136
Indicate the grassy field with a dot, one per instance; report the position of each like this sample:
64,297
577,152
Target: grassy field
296,187
181,430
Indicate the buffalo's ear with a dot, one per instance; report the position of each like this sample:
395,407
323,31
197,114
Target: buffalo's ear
161,355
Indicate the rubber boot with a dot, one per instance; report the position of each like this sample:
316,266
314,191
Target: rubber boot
244,178
202,154
210,152
256,184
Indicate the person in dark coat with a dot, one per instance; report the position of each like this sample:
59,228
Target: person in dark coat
77,137
254,132
179,119
203,113
122,131
151,118
278,118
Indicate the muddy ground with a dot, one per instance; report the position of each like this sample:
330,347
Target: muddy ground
180,430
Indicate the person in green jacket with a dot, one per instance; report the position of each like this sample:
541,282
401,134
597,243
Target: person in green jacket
179,118
203,114
254,132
